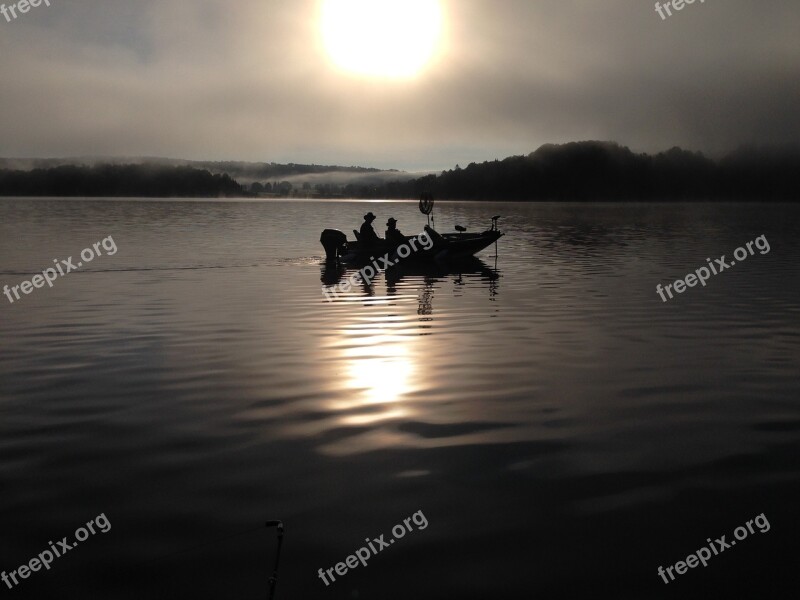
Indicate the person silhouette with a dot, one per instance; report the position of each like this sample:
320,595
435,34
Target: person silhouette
367,233
393,235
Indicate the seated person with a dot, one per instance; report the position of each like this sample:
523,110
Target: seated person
393,235
367,233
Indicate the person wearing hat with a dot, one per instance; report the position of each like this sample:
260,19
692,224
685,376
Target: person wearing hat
367,233
393,235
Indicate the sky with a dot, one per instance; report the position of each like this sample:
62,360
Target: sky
259,80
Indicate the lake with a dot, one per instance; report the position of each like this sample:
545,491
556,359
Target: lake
562,430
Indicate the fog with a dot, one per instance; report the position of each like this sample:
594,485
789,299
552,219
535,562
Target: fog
204,80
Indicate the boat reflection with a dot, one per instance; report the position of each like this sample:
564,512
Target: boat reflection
402,277
431,274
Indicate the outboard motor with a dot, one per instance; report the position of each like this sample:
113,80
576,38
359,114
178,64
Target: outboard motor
334,242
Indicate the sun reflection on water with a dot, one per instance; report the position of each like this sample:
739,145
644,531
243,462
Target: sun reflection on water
380,370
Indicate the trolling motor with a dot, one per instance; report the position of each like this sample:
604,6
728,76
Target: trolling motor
274,579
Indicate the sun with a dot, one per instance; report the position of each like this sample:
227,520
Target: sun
381,38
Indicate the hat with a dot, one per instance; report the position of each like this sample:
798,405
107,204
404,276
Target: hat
391,221
369,217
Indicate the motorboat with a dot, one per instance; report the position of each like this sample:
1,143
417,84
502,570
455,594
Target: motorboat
427,246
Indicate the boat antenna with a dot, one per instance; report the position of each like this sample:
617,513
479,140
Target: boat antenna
274,579
426,207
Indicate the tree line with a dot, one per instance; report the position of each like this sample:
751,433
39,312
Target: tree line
606,171
602,171
118,180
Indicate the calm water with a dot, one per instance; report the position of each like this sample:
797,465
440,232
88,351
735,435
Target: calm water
564,432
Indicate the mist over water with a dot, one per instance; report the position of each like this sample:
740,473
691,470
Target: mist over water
564,431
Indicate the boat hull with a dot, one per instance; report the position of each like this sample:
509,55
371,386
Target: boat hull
444,247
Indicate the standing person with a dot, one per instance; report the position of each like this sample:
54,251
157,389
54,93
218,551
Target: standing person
367,233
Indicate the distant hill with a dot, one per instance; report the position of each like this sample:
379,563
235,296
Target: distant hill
245,173
608,171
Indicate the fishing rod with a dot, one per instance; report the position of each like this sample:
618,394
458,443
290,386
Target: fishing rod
273,580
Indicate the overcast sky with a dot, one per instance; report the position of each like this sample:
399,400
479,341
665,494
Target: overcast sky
251,80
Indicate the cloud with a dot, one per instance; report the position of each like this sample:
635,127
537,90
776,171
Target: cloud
249,80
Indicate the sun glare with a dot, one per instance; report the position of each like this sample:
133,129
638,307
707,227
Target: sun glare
381,38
